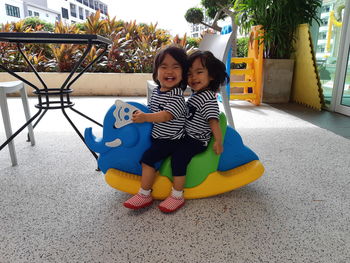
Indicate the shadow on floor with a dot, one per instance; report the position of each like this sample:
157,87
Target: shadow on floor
332,121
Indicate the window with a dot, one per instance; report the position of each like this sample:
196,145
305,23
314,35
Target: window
87,14
322,35
30,13
65,13
86,2
96,5
325,9
81,13
320,49
79,1
36,14
73,11
12,10
91,3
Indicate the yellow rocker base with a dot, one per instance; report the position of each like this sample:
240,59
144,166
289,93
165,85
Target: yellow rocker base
216,182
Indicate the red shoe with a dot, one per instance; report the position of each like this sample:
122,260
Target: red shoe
171,204
138,201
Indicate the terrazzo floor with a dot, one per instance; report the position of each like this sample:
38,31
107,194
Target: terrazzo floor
54,206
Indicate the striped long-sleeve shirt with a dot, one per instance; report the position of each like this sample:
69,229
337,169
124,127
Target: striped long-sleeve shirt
173,102
201,107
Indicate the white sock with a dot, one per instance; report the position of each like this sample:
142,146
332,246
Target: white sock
177,194
145,192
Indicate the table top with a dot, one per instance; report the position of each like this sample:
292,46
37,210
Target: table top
19,37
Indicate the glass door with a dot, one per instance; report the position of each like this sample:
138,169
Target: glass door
342,83
328,46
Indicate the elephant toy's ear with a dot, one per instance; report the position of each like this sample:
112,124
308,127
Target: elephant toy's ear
123,113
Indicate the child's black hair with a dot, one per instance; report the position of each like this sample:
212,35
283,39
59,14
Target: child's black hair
216,68
179,54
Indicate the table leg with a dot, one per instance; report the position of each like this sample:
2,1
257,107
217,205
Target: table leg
19,130
78,132
40,117
87,117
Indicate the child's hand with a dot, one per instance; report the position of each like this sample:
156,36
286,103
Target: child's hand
138,117
218,147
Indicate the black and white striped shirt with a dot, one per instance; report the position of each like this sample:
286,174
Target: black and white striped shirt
173,102
201,107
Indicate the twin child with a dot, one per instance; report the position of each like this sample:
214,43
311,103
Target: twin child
181,129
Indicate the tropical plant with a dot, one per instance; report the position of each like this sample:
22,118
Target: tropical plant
279,20
133,49
20,26
94,25
112,25
65,55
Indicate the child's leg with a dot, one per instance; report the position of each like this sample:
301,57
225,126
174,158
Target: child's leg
158,151
180,160
179,182
148,176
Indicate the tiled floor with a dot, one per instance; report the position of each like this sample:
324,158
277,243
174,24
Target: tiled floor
332,121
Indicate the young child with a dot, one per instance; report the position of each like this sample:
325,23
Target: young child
206,74
167,105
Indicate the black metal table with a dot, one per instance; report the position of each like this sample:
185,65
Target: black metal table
54,98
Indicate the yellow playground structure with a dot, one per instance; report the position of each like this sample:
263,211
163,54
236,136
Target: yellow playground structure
250,87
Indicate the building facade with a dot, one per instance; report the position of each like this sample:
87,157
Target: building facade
196,30
68,11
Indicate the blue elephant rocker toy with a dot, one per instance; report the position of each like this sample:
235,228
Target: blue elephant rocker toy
124,142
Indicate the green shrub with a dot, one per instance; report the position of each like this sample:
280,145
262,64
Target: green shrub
242,46
193,42
39,25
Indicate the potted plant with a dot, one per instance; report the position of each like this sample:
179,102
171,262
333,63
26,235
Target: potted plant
279,20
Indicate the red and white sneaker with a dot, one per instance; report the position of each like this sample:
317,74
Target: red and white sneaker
138,201
171,204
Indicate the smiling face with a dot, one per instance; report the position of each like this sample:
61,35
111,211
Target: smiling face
169,73
198,76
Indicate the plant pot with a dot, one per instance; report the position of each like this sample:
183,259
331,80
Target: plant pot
277,80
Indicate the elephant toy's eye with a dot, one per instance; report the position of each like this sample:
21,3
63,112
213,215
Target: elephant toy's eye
126,110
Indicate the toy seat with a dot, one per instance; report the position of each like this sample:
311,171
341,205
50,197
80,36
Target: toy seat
208,174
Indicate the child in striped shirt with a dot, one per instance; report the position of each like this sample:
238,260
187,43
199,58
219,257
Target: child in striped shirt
206,74
167,105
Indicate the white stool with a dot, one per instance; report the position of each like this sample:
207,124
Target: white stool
10,87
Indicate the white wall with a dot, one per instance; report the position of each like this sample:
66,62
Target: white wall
43,14
4,18
54,5
58,4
